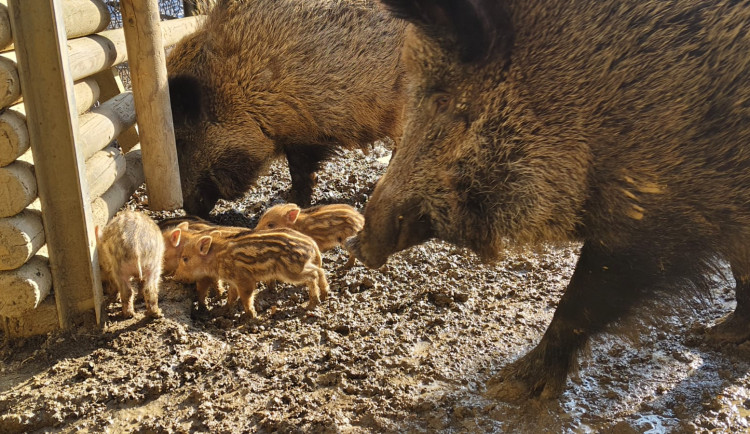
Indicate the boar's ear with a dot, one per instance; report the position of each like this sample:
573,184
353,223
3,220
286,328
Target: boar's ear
293,214
479,27
174,237
204,244
186,97
97,233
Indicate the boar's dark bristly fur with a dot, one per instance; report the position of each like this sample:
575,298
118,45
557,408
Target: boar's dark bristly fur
622,124
263,79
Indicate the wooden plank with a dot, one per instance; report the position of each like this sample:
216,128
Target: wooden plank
6,36
102,124
96,53
14,135
19,187
148,74
110,85
39,321
103,169
53,127
105,207
23,289
82,17
89,55
21,236
10,86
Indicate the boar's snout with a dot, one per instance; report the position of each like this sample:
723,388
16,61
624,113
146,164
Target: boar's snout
389,227
201,200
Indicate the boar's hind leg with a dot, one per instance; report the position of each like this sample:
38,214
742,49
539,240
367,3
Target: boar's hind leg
603,288
304,161
735,328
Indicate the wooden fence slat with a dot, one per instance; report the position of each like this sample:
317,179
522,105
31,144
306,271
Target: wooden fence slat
148,75
14,135
110,85
47,84
103,124
19,187
21,236
89,55
103,169
41,320
105,207
82,17
22,290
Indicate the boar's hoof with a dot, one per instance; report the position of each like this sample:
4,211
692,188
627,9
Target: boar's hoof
733,329
527,378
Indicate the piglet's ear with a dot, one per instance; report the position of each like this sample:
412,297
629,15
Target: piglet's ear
204,244
186,97
292,215
97,233
174,237
478,27
184,225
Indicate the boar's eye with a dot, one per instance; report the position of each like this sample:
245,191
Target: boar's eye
440,103
185,259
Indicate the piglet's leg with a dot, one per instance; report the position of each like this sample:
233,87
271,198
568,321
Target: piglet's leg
322,284
312,277
202,286
122,283
151,294
247,297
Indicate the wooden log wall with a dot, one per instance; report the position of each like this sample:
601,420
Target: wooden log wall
99,112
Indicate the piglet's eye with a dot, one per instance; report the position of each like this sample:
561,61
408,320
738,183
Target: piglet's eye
185,259
440,103
271,226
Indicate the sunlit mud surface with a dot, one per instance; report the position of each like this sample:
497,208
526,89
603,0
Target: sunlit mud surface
407,348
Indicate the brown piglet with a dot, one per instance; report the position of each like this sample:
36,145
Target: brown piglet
328,225
176,233
131,246
243,258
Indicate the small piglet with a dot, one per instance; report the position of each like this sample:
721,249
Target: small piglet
328,225
243,258
176,232
130,245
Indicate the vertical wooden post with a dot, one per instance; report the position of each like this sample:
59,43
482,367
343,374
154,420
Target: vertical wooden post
148,74
40,42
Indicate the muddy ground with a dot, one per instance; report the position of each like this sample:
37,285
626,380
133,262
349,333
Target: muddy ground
406,348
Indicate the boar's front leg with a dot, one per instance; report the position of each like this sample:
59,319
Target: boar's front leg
603,288
304,161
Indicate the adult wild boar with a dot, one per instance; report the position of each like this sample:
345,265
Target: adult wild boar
622,124
266,78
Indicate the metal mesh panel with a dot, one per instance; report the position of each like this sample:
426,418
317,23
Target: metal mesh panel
169,9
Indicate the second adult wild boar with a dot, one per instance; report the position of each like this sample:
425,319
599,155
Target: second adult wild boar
624,124
262,79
